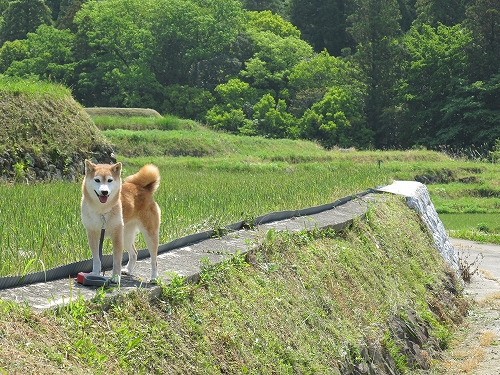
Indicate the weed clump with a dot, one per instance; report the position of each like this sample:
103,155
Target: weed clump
468,268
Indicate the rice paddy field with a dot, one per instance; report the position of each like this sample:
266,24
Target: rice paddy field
220,179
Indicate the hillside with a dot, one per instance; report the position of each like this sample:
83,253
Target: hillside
45,133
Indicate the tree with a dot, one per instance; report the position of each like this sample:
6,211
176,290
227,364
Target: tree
12,51
274,57
267,21
374,25
67,12
3,5
435,71
446,12
237,94
48,54
114,47
275,6
54,6
131,49
187,32
234,107
272,120
483,19
310,79
229,119
322,23
472,115
22,17
337,120
187,102
408,13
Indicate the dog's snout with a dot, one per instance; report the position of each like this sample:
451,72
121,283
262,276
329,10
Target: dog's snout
104,192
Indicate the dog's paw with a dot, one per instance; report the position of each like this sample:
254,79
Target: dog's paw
115,279
126,271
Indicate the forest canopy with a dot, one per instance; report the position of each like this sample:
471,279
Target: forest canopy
347,73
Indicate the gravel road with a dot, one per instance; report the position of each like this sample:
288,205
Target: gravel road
476,350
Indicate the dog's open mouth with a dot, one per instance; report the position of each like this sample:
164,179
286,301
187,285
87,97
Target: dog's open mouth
102,198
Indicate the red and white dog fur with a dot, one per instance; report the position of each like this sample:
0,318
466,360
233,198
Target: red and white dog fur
126,209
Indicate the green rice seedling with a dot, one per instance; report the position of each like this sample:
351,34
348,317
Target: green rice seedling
231,194
39,226
470,221
481,227
40,223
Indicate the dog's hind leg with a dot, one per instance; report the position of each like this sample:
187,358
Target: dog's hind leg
129,239
151,238
151,232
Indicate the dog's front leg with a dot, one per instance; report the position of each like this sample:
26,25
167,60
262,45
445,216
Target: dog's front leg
93,238
129,238
117,237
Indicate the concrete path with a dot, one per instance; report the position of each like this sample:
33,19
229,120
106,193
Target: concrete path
186,260
487,281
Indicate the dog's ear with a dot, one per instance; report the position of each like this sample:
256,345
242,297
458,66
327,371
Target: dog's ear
117,168
89,166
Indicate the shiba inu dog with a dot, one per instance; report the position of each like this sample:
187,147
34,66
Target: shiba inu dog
123,210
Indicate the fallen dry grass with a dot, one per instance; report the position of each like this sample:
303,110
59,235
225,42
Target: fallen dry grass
487,275
472,345
491,301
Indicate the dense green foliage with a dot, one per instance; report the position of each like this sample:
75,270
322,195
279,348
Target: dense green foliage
363,73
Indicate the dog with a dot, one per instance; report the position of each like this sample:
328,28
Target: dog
123,209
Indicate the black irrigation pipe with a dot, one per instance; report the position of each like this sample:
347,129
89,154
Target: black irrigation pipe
72,269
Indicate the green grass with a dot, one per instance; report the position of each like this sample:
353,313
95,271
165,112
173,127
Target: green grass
136,123
204,142
32,88
480,227
487,222
44,229
304,305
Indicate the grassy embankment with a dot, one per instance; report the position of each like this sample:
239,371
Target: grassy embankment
305,304
42,119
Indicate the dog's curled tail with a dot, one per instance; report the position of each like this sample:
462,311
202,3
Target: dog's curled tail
148,177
